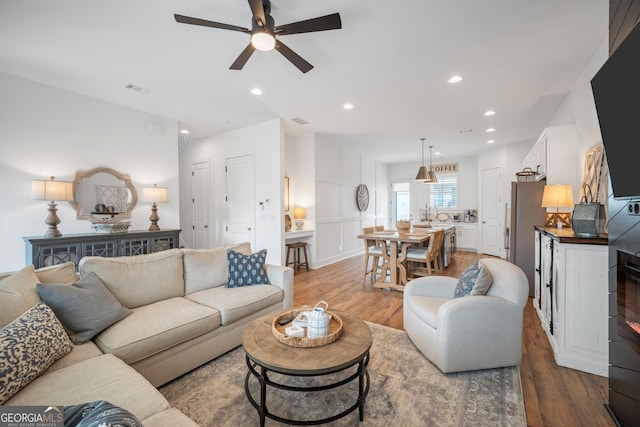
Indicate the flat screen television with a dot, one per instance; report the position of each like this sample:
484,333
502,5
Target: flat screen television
616,91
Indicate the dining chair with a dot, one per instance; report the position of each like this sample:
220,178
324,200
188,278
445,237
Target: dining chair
430,257
373,252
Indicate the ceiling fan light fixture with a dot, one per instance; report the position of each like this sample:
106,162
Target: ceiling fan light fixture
263,40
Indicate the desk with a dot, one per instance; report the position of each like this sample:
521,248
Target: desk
394,259
296,234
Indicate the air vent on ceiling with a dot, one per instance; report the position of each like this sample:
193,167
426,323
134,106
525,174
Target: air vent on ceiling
300,121
137,88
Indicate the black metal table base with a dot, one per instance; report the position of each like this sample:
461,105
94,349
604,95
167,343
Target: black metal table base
263,378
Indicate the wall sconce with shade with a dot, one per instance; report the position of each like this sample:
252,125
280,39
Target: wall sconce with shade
557,196
53,191
299,214
155,195
424,174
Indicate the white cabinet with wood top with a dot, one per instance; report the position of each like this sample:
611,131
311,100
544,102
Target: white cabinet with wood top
571,297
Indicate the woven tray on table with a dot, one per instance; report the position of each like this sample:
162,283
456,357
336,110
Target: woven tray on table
335,330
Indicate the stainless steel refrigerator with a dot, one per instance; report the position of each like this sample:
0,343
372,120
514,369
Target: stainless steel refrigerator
525,213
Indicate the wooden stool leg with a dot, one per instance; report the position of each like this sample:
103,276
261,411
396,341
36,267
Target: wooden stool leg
306,258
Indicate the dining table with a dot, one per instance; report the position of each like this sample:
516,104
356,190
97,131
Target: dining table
394,245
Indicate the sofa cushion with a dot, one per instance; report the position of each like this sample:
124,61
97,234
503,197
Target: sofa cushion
60,273
474,280
150,330
85,308
18,294
141,279
79,353
170,417
28,346
207,268
99,378
99,413
246,270
236,303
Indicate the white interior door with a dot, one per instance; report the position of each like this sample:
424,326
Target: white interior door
492,231
200,204
240,200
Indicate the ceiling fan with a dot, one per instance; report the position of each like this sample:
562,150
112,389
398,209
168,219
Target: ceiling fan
264,31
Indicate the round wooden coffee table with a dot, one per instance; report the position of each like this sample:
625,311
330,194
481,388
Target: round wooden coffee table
265,354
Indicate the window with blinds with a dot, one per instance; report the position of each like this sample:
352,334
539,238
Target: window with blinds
444,193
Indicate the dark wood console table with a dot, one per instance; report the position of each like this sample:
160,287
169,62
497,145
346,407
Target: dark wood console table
44,251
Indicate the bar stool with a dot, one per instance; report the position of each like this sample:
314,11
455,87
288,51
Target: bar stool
297,261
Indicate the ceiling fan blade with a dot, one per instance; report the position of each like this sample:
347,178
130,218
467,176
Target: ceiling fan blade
293,57
204,23
243,58
257,9
322,23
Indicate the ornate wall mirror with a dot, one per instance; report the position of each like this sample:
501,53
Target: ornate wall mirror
103,195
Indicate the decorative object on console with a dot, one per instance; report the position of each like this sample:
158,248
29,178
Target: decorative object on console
425,175
155,195
558,196
299,214
53,191
589,217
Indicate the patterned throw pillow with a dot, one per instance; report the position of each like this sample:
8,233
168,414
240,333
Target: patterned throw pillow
28,346
245,270
475,280
85,308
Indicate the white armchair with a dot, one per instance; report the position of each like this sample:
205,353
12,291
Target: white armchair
472,332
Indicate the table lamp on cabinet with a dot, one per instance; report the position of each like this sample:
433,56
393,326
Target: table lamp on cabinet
557,196
53,191
155,195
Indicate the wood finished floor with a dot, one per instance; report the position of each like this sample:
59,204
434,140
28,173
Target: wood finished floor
553,395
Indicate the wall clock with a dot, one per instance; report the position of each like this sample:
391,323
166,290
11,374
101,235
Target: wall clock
362,197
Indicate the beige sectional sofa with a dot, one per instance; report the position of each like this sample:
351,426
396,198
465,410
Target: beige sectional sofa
181,316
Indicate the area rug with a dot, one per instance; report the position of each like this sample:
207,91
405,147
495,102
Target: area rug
406,390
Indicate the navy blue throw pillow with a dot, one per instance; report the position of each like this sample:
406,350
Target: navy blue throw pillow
246,270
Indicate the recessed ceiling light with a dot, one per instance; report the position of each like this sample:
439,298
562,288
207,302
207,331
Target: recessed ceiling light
489,113
256,91
491,141
348,106
455,79
437,153
185,131
491,130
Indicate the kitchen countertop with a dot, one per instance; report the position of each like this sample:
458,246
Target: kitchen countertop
566,235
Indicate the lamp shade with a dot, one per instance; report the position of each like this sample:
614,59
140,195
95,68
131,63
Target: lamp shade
557,196
155,194
299,213
51,190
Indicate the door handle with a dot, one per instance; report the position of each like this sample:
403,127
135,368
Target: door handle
248,228
206,226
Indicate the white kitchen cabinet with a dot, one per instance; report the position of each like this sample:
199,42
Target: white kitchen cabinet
554,156
571,297
536,160
467,237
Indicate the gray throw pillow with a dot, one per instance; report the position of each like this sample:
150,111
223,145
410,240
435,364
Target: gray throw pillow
475,280
99,413
85,308
246,270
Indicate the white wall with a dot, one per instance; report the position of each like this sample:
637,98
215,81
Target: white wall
46,131
265,142
579,108
339,170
